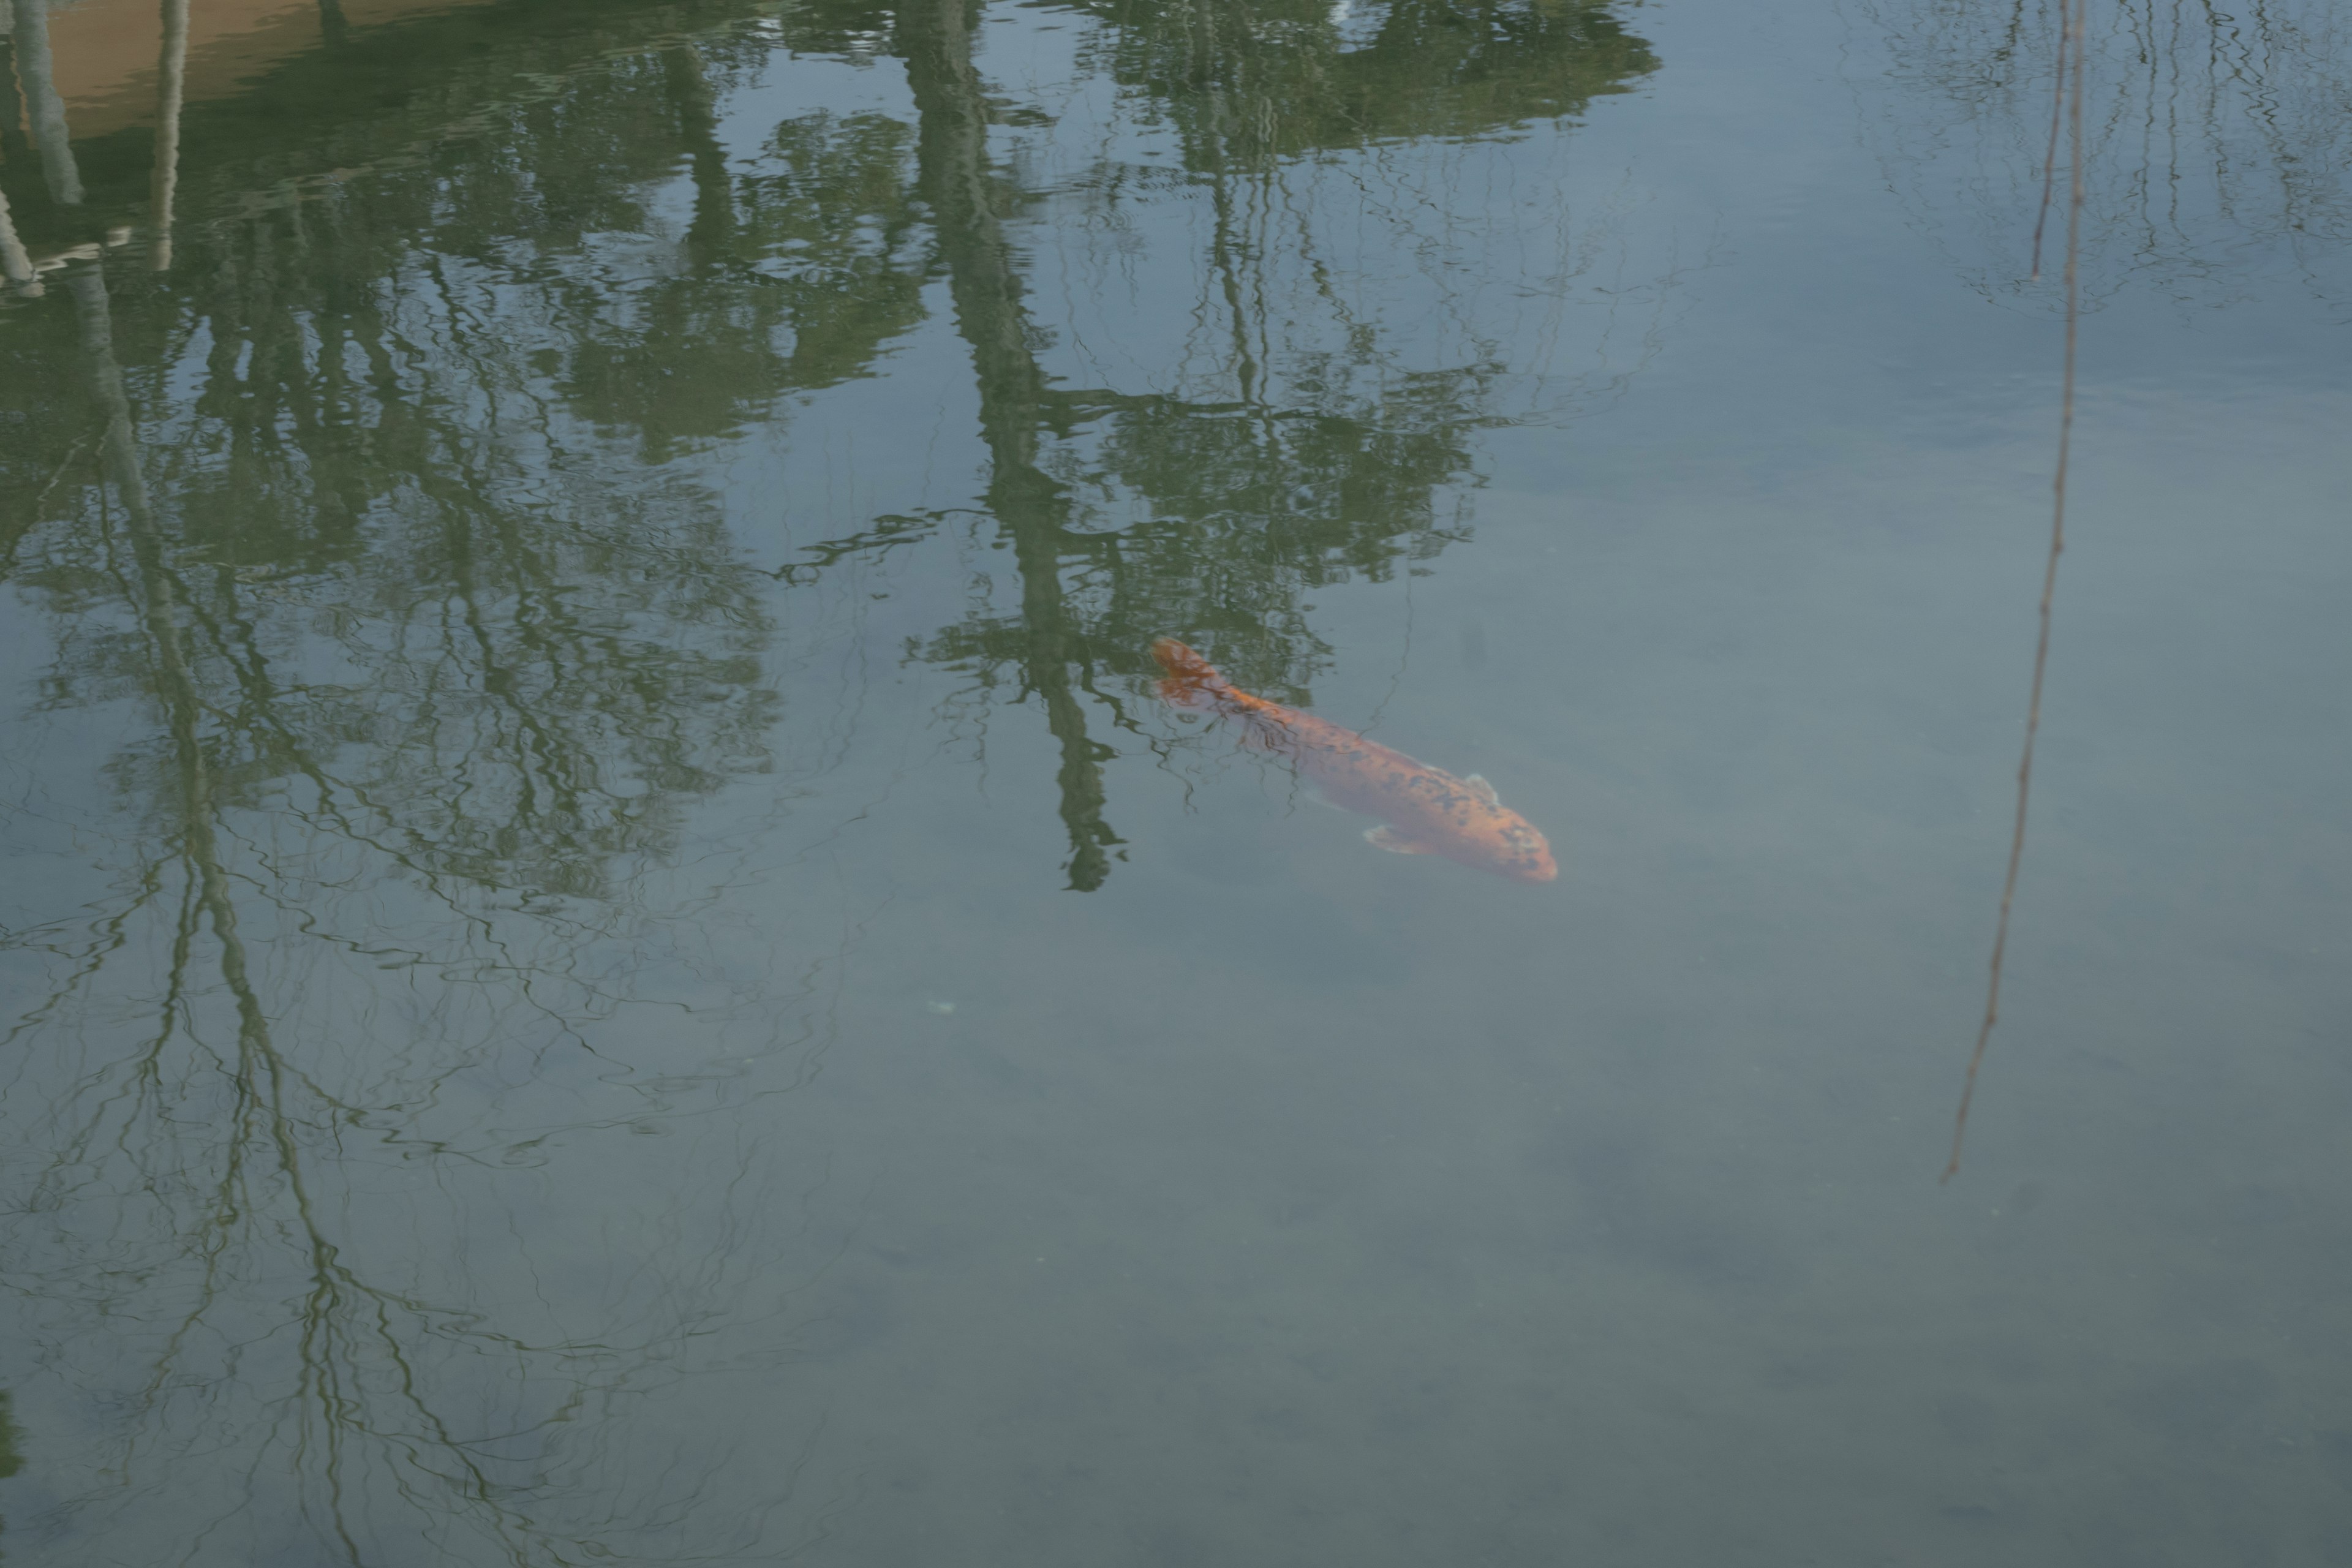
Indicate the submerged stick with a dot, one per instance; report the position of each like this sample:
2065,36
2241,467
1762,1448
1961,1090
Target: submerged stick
2071,40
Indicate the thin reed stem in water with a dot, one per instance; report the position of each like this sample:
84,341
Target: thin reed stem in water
2072,44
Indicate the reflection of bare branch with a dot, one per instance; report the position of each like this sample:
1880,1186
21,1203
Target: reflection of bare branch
437,672
2218,129
264,1116
368,1419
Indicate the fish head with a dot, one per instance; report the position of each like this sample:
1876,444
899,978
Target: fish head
1509,846
1179,661
1180,692
1190,681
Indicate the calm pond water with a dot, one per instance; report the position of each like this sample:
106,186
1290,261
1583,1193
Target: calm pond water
612,957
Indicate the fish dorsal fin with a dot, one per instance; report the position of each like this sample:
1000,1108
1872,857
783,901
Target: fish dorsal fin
1395,843
1483,790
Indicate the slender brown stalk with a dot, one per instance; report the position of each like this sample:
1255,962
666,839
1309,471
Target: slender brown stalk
2050,157
2073,42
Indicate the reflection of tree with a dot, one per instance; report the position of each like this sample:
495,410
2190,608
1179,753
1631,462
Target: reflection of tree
432,677
474,724
1244,84
793,274
580,729
1032,509
278,1115
1316,462
366,524
2210,129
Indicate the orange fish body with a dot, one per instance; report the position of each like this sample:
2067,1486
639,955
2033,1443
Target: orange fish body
1426,810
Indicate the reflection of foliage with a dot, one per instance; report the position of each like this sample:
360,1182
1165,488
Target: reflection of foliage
1254,81
817,233
1253,514
1244,518
369,533
423,746
1317,451
414,675
570,655
2208,130
419,665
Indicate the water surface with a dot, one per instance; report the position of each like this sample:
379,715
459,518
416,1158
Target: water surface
610,956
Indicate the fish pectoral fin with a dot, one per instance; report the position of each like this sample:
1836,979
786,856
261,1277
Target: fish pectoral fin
1395,843
1483,790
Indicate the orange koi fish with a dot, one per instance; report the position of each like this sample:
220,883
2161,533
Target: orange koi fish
1425,810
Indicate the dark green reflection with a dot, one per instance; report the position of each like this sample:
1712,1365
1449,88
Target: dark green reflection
351,509
12,1457
366,512
794,272
1257,499
1245,83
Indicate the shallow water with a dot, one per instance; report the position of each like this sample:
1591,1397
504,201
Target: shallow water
612,958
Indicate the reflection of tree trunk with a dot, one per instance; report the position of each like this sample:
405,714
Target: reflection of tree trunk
262,1074
13,148
712,230
15,266
44,108
159,612
357,1415
952,152
261,1069
172,71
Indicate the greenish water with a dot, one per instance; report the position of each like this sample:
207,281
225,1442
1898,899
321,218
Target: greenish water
610,956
